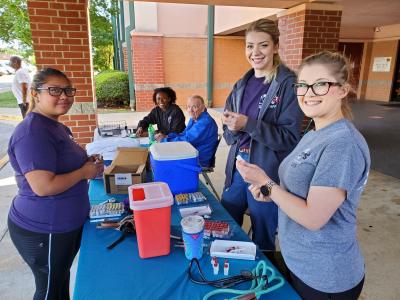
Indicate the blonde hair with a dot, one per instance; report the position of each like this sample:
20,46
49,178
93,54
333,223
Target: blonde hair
339,67
269,27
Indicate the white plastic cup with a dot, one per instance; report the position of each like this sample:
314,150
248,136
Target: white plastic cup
192,234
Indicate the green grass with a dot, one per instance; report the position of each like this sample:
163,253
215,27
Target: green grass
7,99
113,110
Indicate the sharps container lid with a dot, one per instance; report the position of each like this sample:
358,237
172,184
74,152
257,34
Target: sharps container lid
157,195
173,151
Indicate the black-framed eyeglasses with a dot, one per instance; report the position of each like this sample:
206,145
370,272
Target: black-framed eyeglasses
57,91
319,88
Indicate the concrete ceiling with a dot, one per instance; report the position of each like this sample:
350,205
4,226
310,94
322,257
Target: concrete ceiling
248,3
356,13
369,13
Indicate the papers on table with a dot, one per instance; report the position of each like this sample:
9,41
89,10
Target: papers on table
107,147
196,210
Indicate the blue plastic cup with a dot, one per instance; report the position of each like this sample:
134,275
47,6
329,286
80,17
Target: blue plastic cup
192,234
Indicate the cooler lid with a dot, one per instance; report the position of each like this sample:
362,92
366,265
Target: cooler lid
173,151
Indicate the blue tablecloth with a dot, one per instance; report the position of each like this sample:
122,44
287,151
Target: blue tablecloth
121,274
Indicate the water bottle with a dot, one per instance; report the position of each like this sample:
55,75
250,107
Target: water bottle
151,134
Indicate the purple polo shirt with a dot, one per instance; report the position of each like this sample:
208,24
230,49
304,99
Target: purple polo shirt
254,95
40,143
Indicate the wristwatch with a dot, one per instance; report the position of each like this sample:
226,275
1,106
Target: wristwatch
266,189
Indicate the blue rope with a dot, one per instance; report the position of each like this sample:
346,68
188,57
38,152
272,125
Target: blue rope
257,289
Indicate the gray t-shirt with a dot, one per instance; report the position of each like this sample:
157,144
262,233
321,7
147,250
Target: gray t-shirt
329,259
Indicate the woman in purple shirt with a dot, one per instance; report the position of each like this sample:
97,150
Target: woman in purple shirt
51,169
262,125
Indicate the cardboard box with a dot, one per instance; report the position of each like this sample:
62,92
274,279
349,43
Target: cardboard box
128,167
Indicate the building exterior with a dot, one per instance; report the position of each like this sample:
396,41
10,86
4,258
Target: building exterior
200,48
169,47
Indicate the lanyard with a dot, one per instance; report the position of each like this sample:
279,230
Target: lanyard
264,280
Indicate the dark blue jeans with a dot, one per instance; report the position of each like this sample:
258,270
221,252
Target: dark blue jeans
264,215
49,256
308,293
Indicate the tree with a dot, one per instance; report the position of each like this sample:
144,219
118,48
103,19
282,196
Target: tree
100,12
14,27
14,24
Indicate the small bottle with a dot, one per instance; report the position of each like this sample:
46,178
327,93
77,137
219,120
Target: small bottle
124,132
151,134
226,267
215,267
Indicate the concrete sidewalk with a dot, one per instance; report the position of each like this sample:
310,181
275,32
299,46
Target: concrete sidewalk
10,114
378,229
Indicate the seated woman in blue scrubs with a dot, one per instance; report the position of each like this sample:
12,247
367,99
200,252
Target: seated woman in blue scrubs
201,131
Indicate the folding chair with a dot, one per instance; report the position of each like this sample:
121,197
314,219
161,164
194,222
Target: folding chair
210,169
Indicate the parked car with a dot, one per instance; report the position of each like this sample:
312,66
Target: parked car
29,67
6,68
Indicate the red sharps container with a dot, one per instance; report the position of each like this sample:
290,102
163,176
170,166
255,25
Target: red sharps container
152,216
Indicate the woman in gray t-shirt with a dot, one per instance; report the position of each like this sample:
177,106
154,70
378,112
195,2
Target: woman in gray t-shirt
321,183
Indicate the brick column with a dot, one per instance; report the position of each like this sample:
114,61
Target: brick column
61,40
148,67
125,58
308,29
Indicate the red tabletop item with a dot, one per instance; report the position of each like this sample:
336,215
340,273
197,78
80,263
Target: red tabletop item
138,194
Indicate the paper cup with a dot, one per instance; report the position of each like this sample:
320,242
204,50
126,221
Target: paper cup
192,234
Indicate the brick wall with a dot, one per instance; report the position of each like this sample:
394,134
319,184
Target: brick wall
60,39
125,58
82,126
291,29
230,64
185,62
308,31
321,30
148,68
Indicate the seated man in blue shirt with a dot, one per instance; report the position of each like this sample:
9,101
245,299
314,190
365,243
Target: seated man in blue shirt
201,131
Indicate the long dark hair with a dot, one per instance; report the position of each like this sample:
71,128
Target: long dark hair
40,78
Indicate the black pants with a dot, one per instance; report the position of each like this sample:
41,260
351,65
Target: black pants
24,108
308,293
49,256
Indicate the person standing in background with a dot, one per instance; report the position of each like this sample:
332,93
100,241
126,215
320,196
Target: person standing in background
21,84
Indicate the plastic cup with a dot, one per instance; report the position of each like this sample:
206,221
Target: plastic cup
192,234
